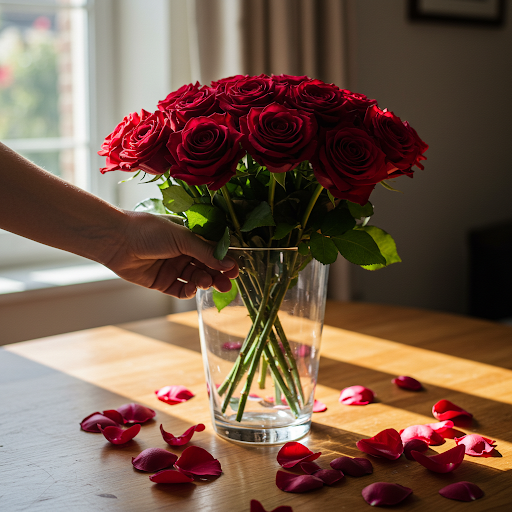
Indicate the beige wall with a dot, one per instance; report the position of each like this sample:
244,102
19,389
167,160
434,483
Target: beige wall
454,84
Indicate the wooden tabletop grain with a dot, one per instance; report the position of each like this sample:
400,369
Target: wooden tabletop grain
48,386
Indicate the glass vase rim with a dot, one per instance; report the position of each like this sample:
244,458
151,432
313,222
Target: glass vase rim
280,249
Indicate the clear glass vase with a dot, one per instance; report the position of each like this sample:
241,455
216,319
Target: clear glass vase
261,347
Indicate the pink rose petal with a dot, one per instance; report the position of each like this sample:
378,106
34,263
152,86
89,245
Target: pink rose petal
118,435
441,426
462,491
384,493
356,466
256,506
387,444
416,445
197,461
136,413
422,432
184,438
91,422
475,445
173,395
356,395
446,410
319,406
232,345
292,453
154,459
409,383
170,476
443,462
289,482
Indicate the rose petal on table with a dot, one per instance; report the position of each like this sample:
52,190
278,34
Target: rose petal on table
256,506
319,406
293,452
118,435
443,462
356,466
356,395
476,445
462,491
114,415
384,493
232,345
91,422
199,462
446,410
173,395
170,476
422,432
154,459
310,467
387,444
329,476
416,445
171,440
441,426
409,383
136,413
289,482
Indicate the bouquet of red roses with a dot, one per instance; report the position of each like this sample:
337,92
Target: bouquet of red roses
279,161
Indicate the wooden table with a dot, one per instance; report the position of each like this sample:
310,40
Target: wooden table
47,386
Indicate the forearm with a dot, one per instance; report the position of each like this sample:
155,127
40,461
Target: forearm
38,205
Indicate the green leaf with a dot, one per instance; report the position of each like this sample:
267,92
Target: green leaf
221,300
332,198
303,249
260,216
130,178
337,222
385,184
282,230
151,205
221,249
358,212
323,248
177,199
359,248
207,221
386,246
280,177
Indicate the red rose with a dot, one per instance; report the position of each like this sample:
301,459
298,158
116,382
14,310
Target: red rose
193,102
326,101
349,164
175,96
356,103
206,151
289,79
239,96
111,147
397,139
220,85
144,146
279,137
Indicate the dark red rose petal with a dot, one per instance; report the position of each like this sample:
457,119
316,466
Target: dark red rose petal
446,410
356,466
416,445
476,445
319,406
118,435
384,493
91,422
409,383
329,476
310,467
289,482
170,476
443,462
154,459
197,461
422,432
173,395
356,395
292,453
387,444
184,438
232,345
114,415
136,413
256,506
462,491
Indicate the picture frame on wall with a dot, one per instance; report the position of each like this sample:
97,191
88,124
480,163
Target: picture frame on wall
478,12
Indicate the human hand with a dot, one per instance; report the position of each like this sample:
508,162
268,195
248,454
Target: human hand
158,254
